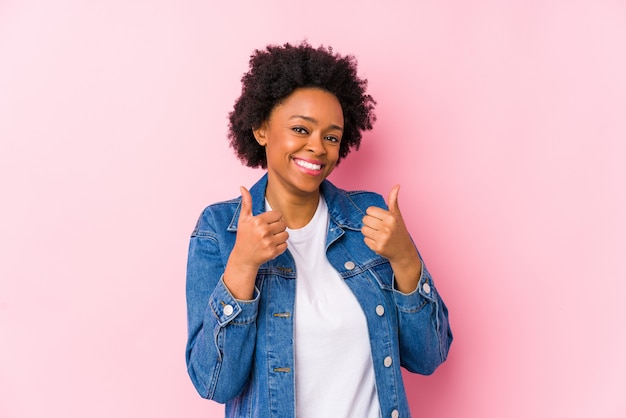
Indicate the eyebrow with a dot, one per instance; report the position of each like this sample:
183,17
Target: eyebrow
313,120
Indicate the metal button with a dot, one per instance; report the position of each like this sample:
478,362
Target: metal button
395,413
426,288
387,362
349,265
228,310
380,310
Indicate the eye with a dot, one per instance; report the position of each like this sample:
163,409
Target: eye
300,130
332,138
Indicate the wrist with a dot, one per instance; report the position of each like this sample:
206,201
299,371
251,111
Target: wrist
240,278
407,273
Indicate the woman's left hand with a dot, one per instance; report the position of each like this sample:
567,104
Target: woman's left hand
385,233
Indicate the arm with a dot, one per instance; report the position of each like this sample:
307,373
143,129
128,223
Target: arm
221,329
425,335
423,327
385,233
222,300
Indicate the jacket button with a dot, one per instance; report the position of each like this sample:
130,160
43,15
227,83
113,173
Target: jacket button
349,265
387,362
426,288
380,310
395,413
228,310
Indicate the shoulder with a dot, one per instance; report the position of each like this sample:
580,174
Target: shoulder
347,208
217,217
365,199
362,199
221,217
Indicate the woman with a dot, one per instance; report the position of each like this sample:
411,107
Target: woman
304,299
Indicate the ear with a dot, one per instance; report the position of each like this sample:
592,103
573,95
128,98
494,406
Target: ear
260,134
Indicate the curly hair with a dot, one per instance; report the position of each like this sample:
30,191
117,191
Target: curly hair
276,72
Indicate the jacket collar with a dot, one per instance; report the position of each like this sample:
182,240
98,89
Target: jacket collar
341,208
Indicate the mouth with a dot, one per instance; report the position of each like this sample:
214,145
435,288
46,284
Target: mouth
309,165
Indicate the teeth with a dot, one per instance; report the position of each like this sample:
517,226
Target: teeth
308,165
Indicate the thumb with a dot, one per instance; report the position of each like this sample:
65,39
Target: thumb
393,199
246,202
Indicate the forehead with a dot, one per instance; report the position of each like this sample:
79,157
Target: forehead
311,102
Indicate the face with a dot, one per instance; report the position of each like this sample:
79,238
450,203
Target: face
301,139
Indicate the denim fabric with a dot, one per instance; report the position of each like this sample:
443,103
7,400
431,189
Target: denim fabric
241,353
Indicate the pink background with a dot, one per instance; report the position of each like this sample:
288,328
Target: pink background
504,121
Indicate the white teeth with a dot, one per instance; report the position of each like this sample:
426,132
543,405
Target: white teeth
308,165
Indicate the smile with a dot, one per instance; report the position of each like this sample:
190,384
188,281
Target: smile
308,165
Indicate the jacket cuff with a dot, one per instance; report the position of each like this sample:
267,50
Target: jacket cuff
424,292
227,309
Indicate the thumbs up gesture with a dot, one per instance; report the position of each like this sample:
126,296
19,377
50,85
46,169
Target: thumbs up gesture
385,233
259,239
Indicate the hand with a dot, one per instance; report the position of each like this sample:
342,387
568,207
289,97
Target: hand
259,239
384,230
385,233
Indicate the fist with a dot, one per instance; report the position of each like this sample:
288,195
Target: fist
384,231
259,238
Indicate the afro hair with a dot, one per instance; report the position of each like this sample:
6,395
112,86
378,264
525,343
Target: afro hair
276,72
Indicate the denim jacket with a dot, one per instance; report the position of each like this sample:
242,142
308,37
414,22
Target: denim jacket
242,352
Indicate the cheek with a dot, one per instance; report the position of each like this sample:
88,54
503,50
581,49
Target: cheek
277,148
333,157
284,144
334,152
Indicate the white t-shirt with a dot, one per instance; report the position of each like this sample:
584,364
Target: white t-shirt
333,364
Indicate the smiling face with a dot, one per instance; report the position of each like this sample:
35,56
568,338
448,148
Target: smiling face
301,139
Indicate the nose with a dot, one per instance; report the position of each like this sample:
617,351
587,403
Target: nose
316,144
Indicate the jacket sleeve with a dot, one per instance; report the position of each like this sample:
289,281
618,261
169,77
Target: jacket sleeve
221,329
424,331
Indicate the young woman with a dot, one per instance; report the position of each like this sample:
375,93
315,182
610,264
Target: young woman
305,299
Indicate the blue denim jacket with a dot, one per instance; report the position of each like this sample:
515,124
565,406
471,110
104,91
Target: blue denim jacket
242,352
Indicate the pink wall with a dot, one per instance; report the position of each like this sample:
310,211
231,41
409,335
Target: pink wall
505,122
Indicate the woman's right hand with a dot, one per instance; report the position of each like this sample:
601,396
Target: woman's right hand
259,239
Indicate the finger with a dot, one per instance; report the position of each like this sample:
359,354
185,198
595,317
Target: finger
271,217
276,227
376,212
371,222
371,244
369,234
280,248
281,238
393,199
371,227
246,202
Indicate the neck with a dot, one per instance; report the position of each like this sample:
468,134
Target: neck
297,210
